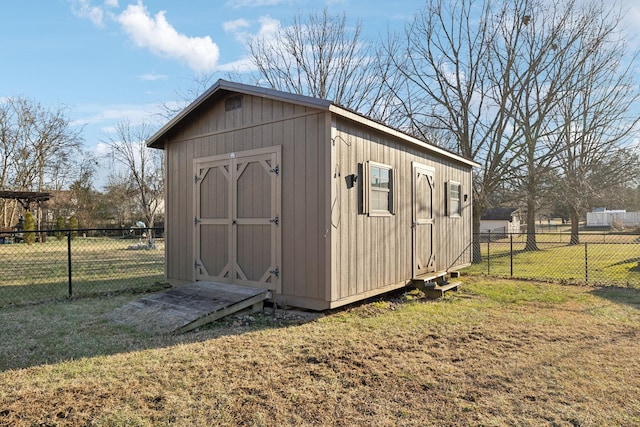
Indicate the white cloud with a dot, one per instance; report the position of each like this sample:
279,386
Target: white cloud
268,27
235,26
102,149
84,9
156,34
243,65
106,115
237,4
151,77
267,31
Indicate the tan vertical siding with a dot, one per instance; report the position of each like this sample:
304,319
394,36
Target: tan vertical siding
376,251
261,122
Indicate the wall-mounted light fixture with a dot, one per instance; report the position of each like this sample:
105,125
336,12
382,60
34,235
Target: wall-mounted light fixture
351,180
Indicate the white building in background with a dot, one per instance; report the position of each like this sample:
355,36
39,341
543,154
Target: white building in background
601,217
500,220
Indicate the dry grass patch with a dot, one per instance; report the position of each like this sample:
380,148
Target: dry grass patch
501,353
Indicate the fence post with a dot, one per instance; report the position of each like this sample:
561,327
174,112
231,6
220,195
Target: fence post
586,264
489,253
69,262
511,252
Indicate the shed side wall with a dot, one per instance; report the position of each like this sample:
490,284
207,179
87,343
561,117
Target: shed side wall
371,252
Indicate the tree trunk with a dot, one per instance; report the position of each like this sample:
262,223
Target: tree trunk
532,244
575,227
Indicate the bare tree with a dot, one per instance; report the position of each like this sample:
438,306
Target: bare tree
34,142
456,86
321,55
595,120
122,197
562,44
198,85
537,39
142,165
488,79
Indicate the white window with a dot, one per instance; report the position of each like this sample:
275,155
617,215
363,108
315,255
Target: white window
378,189
455,199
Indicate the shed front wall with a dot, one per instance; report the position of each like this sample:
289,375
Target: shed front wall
371,254
302,133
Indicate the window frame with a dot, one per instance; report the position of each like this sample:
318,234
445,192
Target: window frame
369,188
450,199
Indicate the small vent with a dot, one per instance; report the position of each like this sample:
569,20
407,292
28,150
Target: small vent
233,103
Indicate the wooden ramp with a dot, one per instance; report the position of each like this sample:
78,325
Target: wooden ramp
188,307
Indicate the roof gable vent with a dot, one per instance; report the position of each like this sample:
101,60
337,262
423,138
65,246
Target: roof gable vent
233,103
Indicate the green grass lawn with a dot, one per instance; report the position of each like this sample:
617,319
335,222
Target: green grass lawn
496,352
606,260
32,273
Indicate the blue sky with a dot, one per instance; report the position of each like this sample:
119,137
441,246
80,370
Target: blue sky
109,60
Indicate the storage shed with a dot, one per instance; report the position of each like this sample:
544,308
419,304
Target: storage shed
500,221
310,200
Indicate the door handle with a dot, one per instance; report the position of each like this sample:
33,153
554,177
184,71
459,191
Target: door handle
234,222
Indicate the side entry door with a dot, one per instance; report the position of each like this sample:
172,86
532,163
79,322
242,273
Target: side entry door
423,219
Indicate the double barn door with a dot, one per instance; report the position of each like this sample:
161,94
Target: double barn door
237,223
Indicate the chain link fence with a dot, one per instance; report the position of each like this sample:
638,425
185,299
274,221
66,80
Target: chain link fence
94,262
78,263
599,259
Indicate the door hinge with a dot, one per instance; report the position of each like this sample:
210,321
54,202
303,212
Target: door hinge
275,220
196,221
276,170
196,178
196,264
275,272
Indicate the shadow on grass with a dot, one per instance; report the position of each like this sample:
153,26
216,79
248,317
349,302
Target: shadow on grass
52,289
619,295
61,331
628,261
64,330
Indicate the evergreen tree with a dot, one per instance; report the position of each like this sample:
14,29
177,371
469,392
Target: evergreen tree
29,226
60,225
73,225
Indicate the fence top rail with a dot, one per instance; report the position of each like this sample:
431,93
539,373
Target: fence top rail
562,233
81,230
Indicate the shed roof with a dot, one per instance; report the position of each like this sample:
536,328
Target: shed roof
224,86
498,214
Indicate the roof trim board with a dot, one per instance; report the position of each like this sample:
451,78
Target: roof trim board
156,140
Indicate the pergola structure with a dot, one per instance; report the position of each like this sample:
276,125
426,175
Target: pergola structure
25,198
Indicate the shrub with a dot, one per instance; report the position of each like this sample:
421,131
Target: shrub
60,225
28,227
73,225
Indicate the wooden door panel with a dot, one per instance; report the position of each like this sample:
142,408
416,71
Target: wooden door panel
423,219
212,219
214,192
254,191
254,252
257,225
214,252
